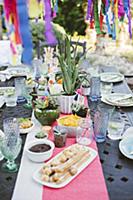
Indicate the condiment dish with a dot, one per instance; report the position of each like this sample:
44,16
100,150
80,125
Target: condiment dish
39,150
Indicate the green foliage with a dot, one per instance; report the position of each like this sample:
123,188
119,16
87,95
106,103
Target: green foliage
71,16
38,31
69,67
43,103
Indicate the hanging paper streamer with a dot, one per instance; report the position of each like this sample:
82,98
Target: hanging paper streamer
25,32
12,16
121,11
96,17
12,24
128,13
33,8
113,10
55,9
88,16
50,38
107,19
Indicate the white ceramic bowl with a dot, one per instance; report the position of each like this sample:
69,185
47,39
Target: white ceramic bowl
26,130
36,156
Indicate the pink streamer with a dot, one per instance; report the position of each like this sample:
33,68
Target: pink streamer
121,11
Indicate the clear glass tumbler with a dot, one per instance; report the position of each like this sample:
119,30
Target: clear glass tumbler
19,85
10,97
101,119
84,134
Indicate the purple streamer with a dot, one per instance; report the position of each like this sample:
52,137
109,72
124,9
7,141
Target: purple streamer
129,20
50,38
88,16
127,11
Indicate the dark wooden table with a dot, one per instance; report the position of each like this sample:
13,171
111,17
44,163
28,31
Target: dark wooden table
117,169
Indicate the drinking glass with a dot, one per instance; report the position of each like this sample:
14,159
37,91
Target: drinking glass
10,149
116,126
11,144
95,87
11,127
101,119
84,134
19,84
10,97
106,88
2,135
27,90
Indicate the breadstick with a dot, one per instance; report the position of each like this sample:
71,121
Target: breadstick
70,162
77,165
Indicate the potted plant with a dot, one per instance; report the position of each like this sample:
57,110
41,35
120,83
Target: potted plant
70,72
85,87
46,110
79,109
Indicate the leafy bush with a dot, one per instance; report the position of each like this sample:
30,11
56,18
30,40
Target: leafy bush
38,31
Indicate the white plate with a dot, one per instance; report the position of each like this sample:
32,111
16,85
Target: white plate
118,99
128,133
111,77
37,177
2,101
15,71
4,89
126,146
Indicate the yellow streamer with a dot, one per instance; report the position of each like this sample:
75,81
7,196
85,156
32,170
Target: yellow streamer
35,9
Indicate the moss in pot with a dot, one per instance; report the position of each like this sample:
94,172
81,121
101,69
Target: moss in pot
46,110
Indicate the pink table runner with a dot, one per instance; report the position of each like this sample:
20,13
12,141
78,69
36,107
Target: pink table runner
88,185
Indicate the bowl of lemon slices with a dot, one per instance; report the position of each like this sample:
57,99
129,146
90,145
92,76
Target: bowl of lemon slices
69,123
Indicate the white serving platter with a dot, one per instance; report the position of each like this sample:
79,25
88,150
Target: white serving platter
37,175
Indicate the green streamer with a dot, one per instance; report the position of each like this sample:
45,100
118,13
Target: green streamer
96,18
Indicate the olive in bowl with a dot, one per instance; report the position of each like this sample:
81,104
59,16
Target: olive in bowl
40,150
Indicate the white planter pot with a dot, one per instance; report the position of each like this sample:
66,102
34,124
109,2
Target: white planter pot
85,91
65,102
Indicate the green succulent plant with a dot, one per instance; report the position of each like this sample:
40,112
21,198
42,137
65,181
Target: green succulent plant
68,63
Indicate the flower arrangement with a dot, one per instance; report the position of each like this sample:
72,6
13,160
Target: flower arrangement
46,102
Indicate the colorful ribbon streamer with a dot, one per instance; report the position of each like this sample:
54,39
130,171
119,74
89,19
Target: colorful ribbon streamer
88,16
25,32
50,38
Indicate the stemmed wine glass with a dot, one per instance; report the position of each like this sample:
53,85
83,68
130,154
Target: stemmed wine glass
11,144
27,90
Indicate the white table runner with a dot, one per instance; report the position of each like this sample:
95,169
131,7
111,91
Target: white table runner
26,188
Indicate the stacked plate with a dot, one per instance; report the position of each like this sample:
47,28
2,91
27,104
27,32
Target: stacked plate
118,99
111,77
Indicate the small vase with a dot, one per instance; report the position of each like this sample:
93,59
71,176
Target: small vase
46,117
85,91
